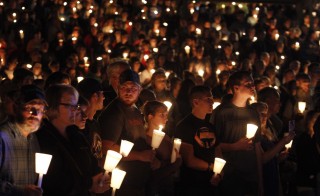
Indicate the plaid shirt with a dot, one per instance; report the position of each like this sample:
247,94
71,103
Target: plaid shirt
17,159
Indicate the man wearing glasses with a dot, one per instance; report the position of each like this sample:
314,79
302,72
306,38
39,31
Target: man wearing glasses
18,143
121,120
73,169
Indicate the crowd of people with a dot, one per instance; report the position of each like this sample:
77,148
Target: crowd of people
78,77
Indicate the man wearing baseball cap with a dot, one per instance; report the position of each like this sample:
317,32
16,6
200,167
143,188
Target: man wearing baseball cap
122,120
91,89
18,141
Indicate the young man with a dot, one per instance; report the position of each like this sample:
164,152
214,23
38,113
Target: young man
243,171
18,144
91,90
199,145
121,120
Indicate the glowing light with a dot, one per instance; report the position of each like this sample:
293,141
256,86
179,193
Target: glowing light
99,58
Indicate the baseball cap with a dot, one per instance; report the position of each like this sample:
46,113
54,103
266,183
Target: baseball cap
29,93
88,86
129,75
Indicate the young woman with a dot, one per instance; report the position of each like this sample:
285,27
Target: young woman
162,179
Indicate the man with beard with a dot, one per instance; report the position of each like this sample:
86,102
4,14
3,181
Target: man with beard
18,144
121,120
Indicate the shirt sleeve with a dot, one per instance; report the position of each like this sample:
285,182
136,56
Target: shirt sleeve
111,123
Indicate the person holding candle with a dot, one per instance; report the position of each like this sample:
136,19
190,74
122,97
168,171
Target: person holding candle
272,147
199,146
122,120
73,169
162,181
18,141
243,171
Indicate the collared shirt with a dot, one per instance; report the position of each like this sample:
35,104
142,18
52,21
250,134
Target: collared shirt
17,159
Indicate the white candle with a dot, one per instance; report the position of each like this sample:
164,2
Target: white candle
42,165
79,78
215,105
175,149
112,160
116,179
187,49
288,145
125,55
297,45
157,138
301,106
125,147
201,72
21,34
251,130
218,165
168,104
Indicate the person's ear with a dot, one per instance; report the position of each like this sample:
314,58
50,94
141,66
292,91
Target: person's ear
150,116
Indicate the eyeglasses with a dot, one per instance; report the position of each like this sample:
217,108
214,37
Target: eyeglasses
72,107
34,111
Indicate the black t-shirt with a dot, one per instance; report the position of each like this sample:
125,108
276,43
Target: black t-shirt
200,134
92,133
230,124
120,122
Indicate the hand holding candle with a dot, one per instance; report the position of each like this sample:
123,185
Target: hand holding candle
116,179
175,149
251,130
42,165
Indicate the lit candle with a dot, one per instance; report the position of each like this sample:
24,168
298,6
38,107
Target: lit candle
74,40
21,34
168,104
116,179
288,145
215,104
187,49
42,165
112,160
198,31
80,78
201,72
167,74
297,45
125,55
301,106
218,165
29,66
251,130
255,39
145,57
157,138
157,31
125,147
152,71
99,58
155,50
175,149
218,72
